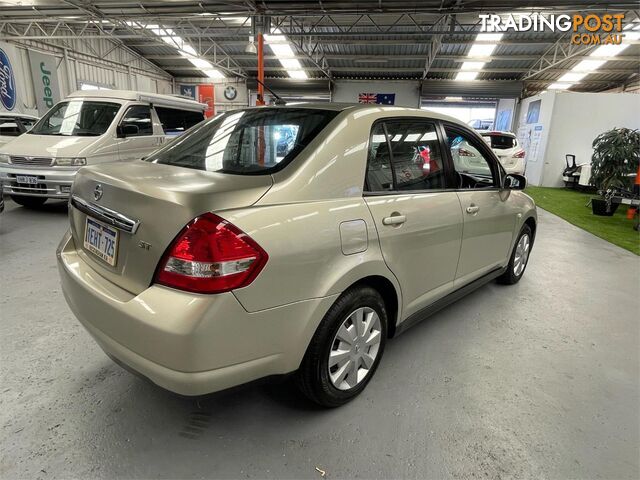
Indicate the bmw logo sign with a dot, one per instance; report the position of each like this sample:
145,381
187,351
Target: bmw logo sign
8,92
230,93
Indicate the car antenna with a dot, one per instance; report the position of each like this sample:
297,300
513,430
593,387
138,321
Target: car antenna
279,100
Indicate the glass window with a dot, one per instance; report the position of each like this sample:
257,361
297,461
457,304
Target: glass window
175,122
472,169
140,117
415,155
77,118
379,176
27,123
499,142
246,142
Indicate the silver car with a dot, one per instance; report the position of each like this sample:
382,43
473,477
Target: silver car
223,257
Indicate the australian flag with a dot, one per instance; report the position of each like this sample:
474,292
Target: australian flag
379,98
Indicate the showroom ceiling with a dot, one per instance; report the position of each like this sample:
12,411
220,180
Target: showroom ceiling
426,40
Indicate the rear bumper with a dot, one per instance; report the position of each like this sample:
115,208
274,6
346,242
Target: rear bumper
187,343
518,167
52,182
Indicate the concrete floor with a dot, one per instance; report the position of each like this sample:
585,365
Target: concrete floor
538,380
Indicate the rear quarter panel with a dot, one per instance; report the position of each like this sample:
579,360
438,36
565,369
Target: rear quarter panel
304,245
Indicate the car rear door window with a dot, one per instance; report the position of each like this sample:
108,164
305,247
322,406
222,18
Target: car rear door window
415,155
405,154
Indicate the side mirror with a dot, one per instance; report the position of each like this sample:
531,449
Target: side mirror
127,130
513,181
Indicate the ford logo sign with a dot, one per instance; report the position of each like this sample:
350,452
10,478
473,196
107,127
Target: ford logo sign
8,92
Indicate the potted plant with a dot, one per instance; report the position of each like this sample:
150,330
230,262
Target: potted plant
615,157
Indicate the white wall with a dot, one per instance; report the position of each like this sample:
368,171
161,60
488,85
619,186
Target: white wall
570,122
407,93
578,118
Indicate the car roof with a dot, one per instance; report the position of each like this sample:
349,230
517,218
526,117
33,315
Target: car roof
356,107
158,98
17,115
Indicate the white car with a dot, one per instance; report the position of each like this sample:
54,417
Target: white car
13,125
506,147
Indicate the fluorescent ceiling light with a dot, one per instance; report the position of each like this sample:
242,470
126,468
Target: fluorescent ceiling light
588,65
472,66
489,37
481,50
168,36
453,99
466,76
291,64
281,48
214,73
608,50
572,77
298,74
559,86
200,63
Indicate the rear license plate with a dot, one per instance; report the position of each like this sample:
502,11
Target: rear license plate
101,240
28,179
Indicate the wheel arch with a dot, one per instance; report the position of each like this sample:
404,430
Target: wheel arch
390,295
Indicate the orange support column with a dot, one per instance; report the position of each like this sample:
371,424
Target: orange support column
260,100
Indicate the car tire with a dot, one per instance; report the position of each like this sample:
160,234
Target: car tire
29,202
519,257
316,377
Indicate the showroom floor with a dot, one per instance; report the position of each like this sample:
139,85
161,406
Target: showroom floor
536,380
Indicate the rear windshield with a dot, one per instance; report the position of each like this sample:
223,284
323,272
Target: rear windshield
246,142
501,142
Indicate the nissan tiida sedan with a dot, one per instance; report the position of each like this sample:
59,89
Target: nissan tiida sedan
223,258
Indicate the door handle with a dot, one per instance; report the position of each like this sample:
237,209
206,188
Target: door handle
473,209
394,220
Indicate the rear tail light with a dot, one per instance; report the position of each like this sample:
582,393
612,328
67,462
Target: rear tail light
211,255
465,153
519,154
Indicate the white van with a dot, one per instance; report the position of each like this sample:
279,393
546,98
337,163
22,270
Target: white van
89,127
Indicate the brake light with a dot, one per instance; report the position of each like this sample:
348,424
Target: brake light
519,154
465,153
210,255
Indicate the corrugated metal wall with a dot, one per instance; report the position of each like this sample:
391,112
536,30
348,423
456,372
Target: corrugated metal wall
95,61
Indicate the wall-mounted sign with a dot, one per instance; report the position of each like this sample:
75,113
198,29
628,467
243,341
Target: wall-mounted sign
379,98
188,91
44,72
206,95
8,92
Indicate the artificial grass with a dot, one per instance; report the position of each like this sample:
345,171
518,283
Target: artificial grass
571,206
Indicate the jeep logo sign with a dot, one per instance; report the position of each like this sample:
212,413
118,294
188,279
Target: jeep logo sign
45,80
7,82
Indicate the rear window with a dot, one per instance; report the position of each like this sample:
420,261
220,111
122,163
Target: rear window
175,122
246,142
500,142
